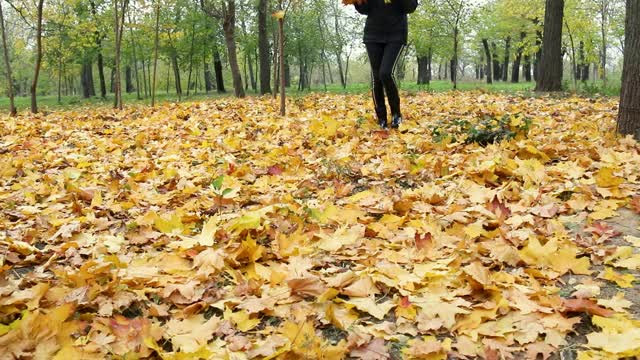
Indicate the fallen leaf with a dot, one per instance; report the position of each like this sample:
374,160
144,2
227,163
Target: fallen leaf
586,306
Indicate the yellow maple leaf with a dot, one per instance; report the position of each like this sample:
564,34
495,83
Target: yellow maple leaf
624,281
344,236
340,316
169,225
557,256
370,306
605,178
618,303
620,336
241,319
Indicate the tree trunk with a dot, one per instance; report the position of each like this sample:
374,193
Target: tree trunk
507,56
155,54
168,78
283,84
144,78
112,79
346,70
574,64
128,79
538,55
135,61
103,82
229,29
193,37
629,116
263,48
527,68
287,73
423,70
550,72
583,67
580,61
301,69
496,64
217,69
323,54
452,72
604,10
7,62
176,72
454,62
276,66
585,72
86,79
515,75
430,66
119,15
36,73
252,76
60,71
98,35
208,77
487,55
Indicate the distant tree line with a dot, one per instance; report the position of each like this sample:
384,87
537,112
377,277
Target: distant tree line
101,48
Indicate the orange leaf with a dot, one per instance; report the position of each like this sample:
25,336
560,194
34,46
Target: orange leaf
586,306
275,170
635,204
423,241
309,286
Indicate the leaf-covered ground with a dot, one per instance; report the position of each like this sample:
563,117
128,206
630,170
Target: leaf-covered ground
218,230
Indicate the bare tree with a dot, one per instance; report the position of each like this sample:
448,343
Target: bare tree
455,15
604,9
119,11
155,54
225,11
36,72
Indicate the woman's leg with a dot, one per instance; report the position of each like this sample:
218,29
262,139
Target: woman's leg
376,53
390,60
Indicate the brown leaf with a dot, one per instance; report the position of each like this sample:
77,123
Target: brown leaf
499,208
381,134
603,229
375,350
275,170
362,287
586,306
309,286
424,241
539,348
420,349
635,204
478,272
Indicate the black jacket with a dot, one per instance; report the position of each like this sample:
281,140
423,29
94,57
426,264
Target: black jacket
387,21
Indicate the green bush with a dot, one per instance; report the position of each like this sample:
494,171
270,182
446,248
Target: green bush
484,131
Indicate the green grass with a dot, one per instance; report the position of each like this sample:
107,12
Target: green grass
435,86
50,102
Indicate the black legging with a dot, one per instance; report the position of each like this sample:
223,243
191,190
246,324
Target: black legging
384,58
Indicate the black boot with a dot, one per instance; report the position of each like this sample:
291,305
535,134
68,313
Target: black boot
396,121
382,121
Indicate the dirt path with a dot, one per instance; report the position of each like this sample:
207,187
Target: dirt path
626,224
